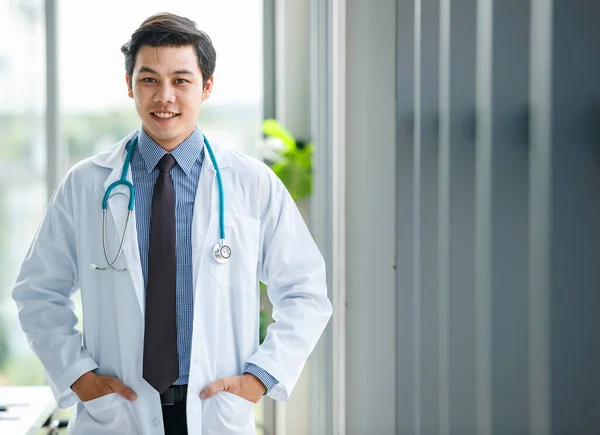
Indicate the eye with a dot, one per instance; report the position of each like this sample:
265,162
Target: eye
148,80
180,81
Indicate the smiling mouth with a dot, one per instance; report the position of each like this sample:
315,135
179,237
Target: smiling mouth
164,115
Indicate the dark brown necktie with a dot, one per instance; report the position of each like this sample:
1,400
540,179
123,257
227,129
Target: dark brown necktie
161,366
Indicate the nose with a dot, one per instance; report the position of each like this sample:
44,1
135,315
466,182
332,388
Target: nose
164,94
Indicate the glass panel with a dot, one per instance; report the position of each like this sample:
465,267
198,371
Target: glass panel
22,171
96,109
98,112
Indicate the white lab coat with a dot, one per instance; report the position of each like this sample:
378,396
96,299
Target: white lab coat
269,242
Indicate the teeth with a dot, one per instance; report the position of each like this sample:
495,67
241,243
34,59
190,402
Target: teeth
165,115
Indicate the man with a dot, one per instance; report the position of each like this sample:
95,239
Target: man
170,331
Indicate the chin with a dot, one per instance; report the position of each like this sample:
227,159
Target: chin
168,132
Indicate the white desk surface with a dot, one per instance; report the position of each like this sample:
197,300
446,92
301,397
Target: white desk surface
28,409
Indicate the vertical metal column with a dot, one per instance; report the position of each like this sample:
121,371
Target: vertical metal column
326,417
540,175
54,153
460,179
509,199
483,217
339,152
269,110
444,218
269,76
416,205
428,219
406,328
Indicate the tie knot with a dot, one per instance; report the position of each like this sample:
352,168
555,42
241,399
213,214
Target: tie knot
166,163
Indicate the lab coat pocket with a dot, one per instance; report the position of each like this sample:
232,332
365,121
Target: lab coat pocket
228,414
242,236
105,415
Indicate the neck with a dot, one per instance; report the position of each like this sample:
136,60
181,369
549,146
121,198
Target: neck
170,144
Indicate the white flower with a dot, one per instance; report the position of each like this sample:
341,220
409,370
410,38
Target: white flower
269,149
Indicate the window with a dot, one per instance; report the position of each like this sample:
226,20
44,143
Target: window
96,113
22,171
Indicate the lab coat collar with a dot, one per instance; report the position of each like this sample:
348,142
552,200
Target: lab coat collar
186,153
114,156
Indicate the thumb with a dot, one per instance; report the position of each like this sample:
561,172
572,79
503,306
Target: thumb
213,388
123,390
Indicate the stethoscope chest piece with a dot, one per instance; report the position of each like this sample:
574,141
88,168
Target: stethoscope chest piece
221,252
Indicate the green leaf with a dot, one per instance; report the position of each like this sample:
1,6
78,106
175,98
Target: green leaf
295,177
262,330
304,157
274,129
294,168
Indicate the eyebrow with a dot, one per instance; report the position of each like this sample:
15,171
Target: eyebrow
178,72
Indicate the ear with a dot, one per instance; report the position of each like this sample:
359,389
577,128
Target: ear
208,88
129,86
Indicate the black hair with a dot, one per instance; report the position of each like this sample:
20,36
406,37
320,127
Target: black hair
166,29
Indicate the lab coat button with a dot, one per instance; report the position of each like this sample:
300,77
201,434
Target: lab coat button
155,421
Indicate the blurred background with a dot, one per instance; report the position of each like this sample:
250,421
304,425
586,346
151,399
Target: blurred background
444,153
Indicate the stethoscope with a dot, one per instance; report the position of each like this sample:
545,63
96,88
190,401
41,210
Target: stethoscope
221,252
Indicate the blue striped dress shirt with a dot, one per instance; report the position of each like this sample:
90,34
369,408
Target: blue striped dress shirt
189,156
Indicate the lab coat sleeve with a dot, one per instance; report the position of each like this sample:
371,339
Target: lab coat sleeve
294,271
43,295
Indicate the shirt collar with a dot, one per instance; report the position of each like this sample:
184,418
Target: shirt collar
185,154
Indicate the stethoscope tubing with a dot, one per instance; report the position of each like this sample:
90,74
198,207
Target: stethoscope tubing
221,251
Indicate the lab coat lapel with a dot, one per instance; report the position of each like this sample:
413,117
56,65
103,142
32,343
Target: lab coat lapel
204,236
118,206
206,205
203,207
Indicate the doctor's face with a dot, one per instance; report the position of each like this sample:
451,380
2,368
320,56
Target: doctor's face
168,90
